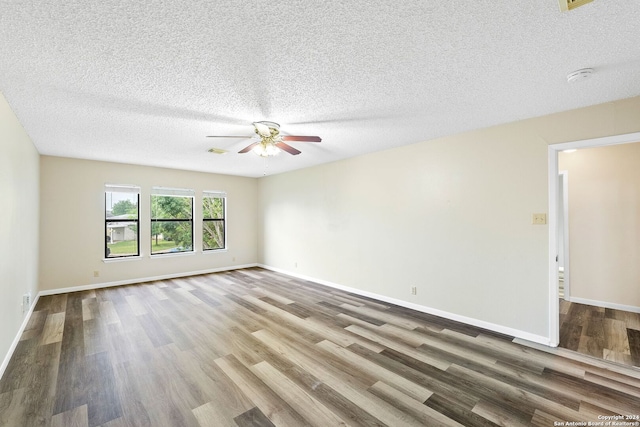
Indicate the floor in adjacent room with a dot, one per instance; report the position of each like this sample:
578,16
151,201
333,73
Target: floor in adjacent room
257,348
604,333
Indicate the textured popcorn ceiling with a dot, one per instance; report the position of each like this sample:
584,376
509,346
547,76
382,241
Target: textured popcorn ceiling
144,82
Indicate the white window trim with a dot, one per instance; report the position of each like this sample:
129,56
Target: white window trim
173,254
216,195
122,188
214,251
122,259
131,189
176,192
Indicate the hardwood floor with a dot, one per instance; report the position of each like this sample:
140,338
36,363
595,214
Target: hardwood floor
256,348
600,332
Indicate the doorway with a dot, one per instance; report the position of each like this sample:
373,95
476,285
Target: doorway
554,192
559,264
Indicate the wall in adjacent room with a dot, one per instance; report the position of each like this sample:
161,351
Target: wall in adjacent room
604,223
72,222
19,171
451,216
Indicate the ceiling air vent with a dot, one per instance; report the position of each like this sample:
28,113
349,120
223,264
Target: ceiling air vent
566,5
217,150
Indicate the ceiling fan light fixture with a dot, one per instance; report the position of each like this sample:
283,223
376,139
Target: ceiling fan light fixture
268,142
266,150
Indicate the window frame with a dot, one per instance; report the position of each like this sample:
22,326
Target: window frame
115,188
215,195
172,192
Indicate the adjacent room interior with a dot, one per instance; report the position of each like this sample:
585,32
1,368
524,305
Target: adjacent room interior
212,219
599,312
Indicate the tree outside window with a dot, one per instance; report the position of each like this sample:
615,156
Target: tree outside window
171,221
213,221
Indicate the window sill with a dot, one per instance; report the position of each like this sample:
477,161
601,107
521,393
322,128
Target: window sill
214,251
172,254
122,259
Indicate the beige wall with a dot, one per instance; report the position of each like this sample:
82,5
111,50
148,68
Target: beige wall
72,222
19,169
451,216
604,223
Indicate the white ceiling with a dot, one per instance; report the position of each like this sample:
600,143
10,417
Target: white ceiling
144,82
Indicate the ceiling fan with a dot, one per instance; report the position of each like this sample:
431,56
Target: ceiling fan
269,140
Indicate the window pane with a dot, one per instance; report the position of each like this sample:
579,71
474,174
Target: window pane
171,236
171,207
213,234
121,205
122,239
212,208
121,223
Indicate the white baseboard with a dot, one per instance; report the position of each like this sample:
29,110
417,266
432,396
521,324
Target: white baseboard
141,280
631,308
16,340
451,316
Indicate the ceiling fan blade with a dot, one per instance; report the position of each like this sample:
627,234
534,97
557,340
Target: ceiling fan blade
263,130
301,138
227,136
289,149
248,148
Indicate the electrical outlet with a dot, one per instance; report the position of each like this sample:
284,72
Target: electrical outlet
539,219
233,259
414,290
295,264
96,273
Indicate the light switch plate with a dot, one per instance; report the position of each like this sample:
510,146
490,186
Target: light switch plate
539,219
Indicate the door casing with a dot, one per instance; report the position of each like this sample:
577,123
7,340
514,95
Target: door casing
553,181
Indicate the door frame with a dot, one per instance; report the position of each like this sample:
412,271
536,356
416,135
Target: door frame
565,234
553,181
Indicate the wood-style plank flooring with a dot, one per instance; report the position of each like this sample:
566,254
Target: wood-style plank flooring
600,332
256,348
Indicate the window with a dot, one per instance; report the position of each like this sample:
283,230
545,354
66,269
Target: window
171,220
122,208
213,220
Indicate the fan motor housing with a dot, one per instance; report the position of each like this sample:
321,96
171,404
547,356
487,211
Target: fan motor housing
567,5
272,125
